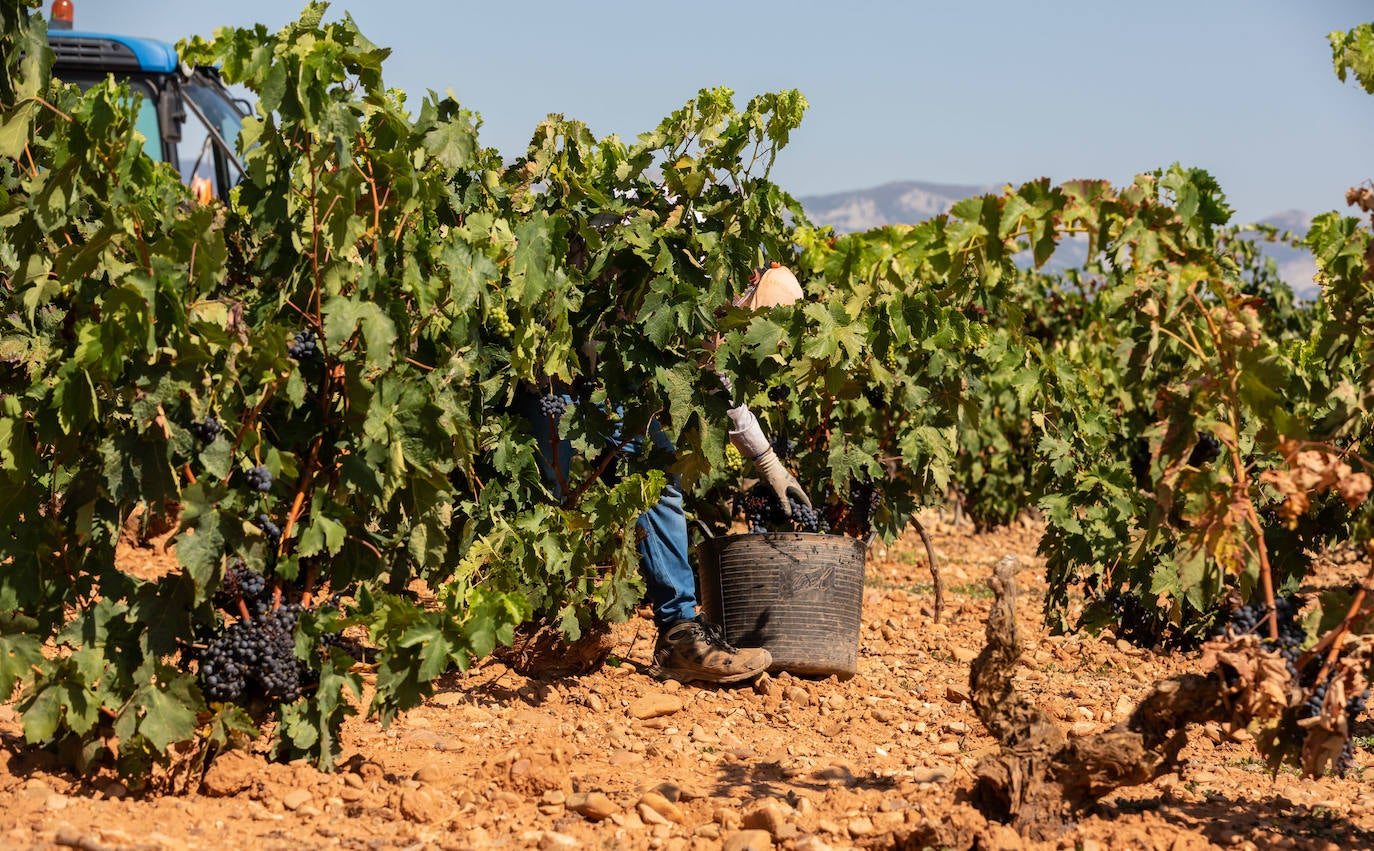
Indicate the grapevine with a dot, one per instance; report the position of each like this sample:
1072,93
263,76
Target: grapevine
149,373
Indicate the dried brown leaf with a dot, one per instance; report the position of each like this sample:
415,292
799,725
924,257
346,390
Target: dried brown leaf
1293,507
1281,480
1258,680
1360,196
1354,489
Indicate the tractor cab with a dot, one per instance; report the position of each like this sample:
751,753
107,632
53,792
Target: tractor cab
187,115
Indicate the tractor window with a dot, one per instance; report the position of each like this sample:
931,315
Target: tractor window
196,150
221,112
146,123
202,157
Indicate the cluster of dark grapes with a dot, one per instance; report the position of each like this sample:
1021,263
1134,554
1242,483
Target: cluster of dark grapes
256,654
332,639
303,346
1245,619
783,447
1205,451
1353,708
206,430
242,583
1143,626
1312,707
1251,618
278,669
864,501
271,530
807,518
221,670
351,646
761,508
553,406
779,393
253,657
763,512
259,479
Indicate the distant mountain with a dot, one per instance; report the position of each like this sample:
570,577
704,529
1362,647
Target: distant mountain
907,202
1292,220
910,202
1296,265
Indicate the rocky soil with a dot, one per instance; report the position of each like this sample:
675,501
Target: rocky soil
615,759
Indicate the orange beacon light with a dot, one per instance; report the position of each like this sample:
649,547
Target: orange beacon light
62,15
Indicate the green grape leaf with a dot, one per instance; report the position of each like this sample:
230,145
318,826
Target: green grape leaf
166,709
344,316
20,653
321,535
452,143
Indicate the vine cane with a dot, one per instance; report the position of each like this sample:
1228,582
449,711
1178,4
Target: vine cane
935,576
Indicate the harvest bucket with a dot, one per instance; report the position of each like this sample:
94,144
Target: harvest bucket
798,594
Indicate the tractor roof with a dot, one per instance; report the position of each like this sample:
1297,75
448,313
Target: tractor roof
109,52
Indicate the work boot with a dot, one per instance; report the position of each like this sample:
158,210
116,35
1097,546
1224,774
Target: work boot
696,649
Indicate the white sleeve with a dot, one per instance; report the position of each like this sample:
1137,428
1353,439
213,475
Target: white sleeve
747,435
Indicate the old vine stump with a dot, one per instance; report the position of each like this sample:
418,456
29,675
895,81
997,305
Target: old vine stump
1041,779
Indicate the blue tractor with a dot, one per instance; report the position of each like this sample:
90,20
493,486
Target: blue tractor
187,115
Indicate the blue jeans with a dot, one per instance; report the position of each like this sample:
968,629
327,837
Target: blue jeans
663,563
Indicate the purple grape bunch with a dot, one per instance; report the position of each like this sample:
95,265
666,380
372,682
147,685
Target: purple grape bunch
258,478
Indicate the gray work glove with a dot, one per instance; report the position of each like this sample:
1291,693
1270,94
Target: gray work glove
783,483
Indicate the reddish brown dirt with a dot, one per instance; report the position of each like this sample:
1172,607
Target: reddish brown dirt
498,760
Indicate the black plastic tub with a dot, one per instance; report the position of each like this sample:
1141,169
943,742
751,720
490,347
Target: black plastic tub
798,594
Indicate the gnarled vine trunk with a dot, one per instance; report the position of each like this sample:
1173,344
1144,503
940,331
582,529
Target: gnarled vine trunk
1041,778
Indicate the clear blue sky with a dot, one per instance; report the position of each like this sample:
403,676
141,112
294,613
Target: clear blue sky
956,92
